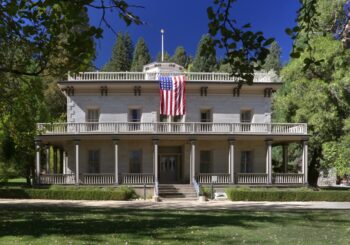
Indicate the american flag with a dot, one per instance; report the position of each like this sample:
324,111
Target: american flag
172,95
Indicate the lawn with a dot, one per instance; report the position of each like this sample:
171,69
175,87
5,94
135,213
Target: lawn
62,225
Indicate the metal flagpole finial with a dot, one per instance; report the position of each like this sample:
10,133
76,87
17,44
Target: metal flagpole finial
162,32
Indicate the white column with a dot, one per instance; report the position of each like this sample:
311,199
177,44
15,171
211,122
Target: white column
193,161
155,159
47,159
305,161
37,162
269,161
116,168
232,160
285,157
76,142
55,160
64,170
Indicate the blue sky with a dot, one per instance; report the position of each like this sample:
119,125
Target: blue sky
185,21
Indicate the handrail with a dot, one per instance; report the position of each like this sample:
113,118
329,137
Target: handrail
259,77
196,186
171,128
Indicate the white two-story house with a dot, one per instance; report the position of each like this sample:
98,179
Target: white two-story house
115,135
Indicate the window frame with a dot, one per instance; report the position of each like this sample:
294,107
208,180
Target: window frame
131,167
208,163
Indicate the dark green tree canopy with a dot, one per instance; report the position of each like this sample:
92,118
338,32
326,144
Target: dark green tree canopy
141,55
180,57
166,57
205,59
273,59
121,54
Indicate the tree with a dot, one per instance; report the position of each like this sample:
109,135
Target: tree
180,57
121,54
141,55
205,59
273,59
166,57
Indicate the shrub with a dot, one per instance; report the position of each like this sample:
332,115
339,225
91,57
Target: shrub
69,193
264,194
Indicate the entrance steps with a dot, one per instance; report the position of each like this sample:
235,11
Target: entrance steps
178,191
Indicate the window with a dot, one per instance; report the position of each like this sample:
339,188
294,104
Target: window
135,161
206,119
205,160
135,118
94,161
246,162
246,119
92,117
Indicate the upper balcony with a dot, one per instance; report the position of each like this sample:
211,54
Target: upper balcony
259,77
159,128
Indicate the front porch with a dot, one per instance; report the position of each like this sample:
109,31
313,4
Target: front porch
187,164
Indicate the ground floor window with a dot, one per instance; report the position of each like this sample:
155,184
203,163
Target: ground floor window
94,161
246,162
205,159
135,161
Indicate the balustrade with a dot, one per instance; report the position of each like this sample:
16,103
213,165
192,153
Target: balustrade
57,179
137,178
251,178
215,178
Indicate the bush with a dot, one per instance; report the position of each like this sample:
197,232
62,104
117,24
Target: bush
69,193
237,194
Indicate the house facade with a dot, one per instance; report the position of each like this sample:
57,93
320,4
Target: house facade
115,135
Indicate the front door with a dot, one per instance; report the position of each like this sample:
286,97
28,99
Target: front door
168,168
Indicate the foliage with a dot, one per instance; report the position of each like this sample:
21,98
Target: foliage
205,58
69,193
273,59
121,54
279,195
167,57
319,96
337,155
245,50
180,57
141,56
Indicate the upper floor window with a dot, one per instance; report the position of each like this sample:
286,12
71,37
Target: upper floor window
135,115
246,116
94,161
135,161
92,117
206,115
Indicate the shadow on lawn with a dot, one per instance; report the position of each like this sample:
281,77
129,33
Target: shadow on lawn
92,224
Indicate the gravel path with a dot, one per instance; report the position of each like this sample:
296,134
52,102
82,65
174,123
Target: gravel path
177,204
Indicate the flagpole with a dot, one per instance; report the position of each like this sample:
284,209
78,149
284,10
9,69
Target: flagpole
162,33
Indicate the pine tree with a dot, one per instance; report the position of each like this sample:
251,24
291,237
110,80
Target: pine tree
141,55
205,59
273,60
180,57
121,54
166,57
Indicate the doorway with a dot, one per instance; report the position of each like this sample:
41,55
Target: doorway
170,168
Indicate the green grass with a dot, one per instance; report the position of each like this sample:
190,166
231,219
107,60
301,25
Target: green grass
62,225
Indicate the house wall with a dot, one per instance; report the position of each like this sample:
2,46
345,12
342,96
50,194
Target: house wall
115,107
219,155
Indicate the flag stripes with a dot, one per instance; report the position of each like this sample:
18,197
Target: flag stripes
172,95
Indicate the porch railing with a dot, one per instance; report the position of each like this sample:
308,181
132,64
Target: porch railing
171,128
259,77
215,178
137,178
251,178
98,179
57,179
288,178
